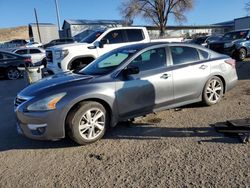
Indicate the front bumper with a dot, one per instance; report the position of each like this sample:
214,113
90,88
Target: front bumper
47,125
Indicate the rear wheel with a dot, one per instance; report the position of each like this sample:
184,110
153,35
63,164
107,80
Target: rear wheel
242,54
213,91
12,73
88,123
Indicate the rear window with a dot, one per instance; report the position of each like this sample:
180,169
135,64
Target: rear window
204,54
184,54
134,35
34,51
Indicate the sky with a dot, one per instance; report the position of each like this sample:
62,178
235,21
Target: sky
21,12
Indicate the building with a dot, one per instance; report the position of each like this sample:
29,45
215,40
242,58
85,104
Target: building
48,32
242,23
78,29
184,30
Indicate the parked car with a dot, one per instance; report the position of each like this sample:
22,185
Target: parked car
76,56
125,83
199,40
15,43
37,55
34,44
58,42
9,63
236,44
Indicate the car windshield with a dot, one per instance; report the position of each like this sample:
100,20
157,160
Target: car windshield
108,62
92,37
235,35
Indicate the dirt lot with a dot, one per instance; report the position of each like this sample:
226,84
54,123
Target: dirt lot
170,149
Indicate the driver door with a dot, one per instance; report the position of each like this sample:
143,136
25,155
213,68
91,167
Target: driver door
151,88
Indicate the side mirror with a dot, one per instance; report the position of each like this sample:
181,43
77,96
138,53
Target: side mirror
131,70
248,37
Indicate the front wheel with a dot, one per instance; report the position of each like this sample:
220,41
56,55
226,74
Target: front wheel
213,91
88,123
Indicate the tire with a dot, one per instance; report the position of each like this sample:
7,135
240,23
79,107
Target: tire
77,66
12,73
82,123
242,54
213,91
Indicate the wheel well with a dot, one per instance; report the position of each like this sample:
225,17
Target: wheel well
223,81
76,106
80,61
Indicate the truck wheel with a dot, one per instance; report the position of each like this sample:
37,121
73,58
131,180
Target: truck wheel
88,123
12,73
242,54
213,91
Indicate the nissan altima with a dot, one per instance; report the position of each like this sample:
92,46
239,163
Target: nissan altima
125,83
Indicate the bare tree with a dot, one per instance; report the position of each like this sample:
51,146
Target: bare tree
247,7
158,11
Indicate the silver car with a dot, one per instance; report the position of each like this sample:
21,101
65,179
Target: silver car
125,83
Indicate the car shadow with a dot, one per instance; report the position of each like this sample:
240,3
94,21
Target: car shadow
10,140
146,131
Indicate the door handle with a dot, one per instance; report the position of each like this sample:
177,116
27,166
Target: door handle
165,76
203,67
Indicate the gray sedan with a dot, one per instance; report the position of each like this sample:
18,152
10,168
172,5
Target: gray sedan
125,83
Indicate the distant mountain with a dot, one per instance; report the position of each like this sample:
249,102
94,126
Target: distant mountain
7,34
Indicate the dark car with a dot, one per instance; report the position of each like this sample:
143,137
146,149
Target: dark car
9,63
58,42
122,84
235,44
15,43
198,40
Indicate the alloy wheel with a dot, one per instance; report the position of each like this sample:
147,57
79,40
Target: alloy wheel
214,91
13,74
92,123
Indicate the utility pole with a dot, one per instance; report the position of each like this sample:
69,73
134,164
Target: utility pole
58,16
37,25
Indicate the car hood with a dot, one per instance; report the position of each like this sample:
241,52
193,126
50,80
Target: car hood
66,46
51,82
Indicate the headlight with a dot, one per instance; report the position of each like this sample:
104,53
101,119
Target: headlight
60,54
228,45
48,103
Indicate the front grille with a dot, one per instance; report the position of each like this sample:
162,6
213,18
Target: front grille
19,101
217,47
49,56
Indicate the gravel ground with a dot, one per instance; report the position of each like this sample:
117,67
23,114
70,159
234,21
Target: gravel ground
173,148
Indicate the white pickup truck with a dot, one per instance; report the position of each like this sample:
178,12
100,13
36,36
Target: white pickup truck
77,55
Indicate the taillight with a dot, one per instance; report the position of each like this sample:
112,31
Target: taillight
27,60
231,62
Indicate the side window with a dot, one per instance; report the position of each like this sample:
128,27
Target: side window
204,54
184,54
114,37
151,59
134,35
21,52
34,51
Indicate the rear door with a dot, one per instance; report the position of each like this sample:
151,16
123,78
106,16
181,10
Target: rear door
190,72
